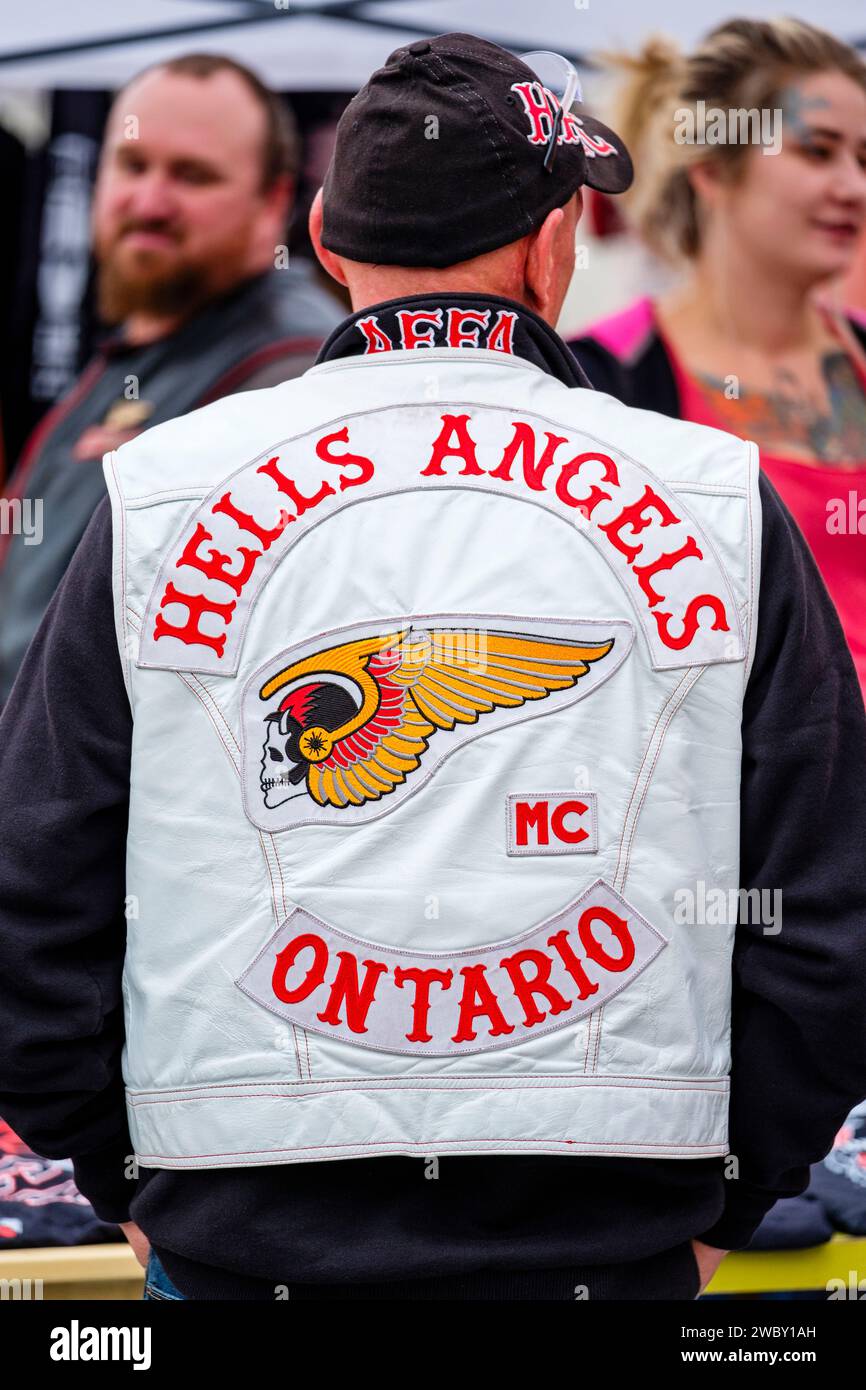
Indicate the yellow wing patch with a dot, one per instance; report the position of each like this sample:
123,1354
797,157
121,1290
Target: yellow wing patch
412,683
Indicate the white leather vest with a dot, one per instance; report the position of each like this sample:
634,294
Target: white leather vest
436,669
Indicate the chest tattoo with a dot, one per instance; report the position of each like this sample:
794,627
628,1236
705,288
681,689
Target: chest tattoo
794,418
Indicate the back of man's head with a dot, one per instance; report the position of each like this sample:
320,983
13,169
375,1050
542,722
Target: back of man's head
455,168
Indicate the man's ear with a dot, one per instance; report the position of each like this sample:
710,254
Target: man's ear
539,269
550,260
328,261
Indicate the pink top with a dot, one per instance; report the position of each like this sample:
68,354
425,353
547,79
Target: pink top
826,501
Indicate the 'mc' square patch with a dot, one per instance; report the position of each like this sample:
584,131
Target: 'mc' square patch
552,822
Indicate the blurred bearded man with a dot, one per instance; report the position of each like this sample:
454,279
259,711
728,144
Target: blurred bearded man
192,200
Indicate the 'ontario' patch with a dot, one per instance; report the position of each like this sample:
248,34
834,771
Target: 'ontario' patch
447,1003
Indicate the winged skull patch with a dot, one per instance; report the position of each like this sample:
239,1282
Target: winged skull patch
346,725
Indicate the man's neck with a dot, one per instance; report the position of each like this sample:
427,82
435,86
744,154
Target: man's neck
375,288
450,319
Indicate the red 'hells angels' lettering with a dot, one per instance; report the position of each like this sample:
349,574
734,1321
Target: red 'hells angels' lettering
198,610
453,1002
453,328
540,105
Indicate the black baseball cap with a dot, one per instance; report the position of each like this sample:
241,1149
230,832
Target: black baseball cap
440,157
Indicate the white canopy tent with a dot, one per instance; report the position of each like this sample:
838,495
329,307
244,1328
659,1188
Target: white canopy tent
333,45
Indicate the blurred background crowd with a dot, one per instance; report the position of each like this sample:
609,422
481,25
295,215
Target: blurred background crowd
157,166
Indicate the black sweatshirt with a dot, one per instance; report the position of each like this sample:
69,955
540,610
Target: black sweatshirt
798,1015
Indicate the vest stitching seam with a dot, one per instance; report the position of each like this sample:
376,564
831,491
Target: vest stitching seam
427,1090
124,653
492,357
263,836
182,675
663,723
754,560
296,1032
148,499
209,705
681,692
218,715
185,1092
711,489
265,841
687,683
675,700
204,697
456,1144
297,1050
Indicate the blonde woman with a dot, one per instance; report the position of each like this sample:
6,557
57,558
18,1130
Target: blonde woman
751,339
